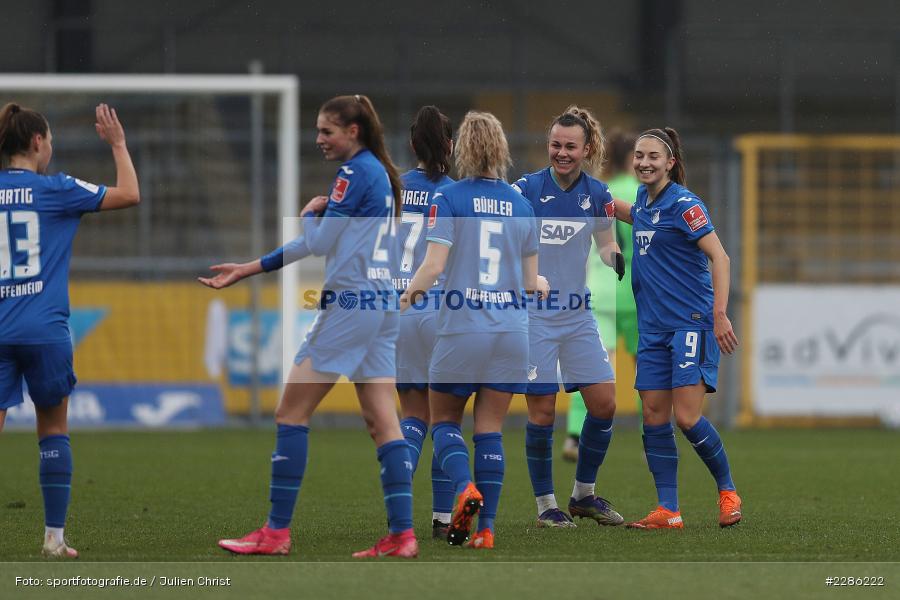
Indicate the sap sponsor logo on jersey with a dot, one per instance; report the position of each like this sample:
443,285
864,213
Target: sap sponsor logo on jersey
584,201
559,232
694,217
643,239
340,189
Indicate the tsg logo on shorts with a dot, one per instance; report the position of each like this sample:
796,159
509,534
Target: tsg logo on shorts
559,232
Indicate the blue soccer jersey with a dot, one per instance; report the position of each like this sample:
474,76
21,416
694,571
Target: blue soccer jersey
567,221
490,228
356,233
39,216
670,273
417,192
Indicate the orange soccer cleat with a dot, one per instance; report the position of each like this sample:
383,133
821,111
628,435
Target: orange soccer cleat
483,540
467,506
661,518
729,508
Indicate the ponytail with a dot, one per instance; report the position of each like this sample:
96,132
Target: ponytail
431,135
17,127
672,141
593,134
358,109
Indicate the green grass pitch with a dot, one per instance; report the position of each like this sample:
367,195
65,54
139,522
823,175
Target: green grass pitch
809,496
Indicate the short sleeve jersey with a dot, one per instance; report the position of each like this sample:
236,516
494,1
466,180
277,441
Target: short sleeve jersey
567,220
39,216
490,229
417,192
670,273
361,258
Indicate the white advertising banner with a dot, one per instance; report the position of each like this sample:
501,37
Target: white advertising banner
826,350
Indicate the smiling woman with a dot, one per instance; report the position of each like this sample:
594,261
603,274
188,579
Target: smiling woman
359,344
682,323
574,211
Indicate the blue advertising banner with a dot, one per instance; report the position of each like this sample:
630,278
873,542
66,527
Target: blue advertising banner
136,405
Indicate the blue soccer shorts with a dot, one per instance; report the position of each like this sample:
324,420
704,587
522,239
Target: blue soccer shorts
47,369
463,362
418,331
359,344
576,346
667,360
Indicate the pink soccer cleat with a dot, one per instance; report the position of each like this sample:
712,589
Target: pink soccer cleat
402,545
261,541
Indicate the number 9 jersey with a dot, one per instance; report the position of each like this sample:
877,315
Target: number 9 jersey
39,216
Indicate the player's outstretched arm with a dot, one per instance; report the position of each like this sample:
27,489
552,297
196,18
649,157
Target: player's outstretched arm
721,281
432,266
623,211
230,273
126,192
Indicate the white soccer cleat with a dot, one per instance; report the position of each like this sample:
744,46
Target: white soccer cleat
56,549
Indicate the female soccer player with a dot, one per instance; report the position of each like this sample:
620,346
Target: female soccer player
572,208
482,234
431,138
619,319
39,215
682,323
343,340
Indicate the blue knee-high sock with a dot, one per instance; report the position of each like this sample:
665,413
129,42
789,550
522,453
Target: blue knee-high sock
489,469
662,458
592,446
441,488
708,445
288,466
414,431
396,482
452,454
56,478
539,453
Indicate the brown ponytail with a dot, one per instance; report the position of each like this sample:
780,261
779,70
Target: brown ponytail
358,109
431,135
672,142
17,127
593,134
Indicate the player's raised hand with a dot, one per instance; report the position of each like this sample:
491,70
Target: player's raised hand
724,333
108,127
227,274
315,206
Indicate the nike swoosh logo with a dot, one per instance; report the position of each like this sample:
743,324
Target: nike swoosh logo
241,544
388,551
278,457
700,442
685,365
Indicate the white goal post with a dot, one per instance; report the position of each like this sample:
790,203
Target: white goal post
285,87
